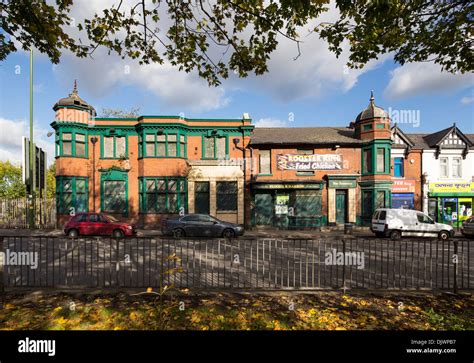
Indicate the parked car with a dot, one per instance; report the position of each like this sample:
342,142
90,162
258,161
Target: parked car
467,228
202,225
396,223
98,224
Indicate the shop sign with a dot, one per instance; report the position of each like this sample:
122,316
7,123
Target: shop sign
342,183
287,186
452,187
403,186
309,162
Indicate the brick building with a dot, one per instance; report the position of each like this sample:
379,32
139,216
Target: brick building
439,169
146,168
309,177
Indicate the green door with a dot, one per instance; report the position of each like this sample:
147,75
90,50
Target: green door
263,209
341,210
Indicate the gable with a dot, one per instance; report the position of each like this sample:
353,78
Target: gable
453,140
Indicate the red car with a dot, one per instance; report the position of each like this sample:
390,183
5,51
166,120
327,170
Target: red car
98,224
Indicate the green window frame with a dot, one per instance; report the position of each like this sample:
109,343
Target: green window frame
163,145
376,158
114,150
367,127
380,162
215,147
226,196
163,195
72,194
114,191
71,143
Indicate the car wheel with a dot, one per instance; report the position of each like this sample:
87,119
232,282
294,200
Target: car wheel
117,233
443,235
178,233
73,233
395,234
228,233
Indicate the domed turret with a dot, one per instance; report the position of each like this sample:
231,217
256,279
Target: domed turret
372,111
373,122
73,100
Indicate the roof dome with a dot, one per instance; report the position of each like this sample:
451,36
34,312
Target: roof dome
372,111
74,100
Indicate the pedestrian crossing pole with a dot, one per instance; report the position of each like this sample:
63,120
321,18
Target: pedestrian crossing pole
32,163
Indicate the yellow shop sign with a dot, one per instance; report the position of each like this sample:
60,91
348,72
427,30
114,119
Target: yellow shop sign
452,187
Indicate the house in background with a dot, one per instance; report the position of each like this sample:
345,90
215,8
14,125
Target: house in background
440,166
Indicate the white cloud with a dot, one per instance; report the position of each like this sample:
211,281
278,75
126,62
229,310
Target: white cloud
315,73
416,78
270,122
10,140
467,100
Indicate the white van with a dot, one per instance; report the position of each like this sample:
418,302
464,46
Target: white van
395,223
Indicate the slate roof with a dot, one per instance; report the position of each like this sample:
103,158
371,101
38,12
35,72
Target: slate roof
303,135
428,141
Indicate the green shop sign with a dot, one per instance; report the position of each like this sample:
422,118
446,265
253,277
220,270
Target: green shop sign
341,183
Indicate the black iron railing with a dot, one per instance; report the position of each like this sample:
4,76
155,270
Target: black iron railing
238,264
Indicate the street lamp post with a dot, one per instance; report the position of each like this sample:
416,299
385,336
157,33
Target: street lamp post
94,141
32,180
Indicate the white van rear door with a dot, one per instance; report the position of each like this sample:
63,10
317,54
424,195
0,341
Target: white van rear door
378,222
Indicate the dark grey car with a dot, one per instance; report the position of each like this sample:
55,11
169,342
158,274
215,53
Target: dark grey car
200,225
467,228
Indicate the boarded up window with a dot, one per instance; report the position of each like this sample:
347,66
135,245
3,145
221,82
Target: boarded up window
264,159
209,143
120,147
220,148
67,144
108,147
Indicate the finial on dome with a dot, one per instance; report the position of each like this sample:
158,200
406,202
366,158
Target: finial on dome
372,99
75,86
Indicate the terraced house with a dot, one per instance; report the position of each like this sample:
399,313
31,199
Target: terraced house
146,168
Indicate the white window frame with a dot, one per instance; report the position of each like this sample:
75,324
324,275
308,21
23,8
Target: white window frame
456,175
447,167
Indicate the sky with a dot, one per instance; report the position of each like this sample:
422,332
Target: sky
317,89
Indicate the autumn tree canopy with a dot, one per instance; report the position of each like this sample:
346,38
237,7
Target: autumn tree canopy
220,36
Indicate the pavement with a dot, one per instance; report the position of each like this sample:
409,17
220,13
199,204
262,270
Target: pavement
330,232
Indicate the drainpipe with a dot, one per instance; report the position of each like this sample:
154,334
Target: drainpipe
236,142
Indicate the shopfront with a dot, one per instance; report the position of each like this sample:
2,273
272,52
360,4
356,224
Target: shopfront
403,194
288,205
451,202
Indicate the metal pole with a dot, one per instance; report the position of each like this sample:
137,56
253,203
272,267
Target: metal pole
32,149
